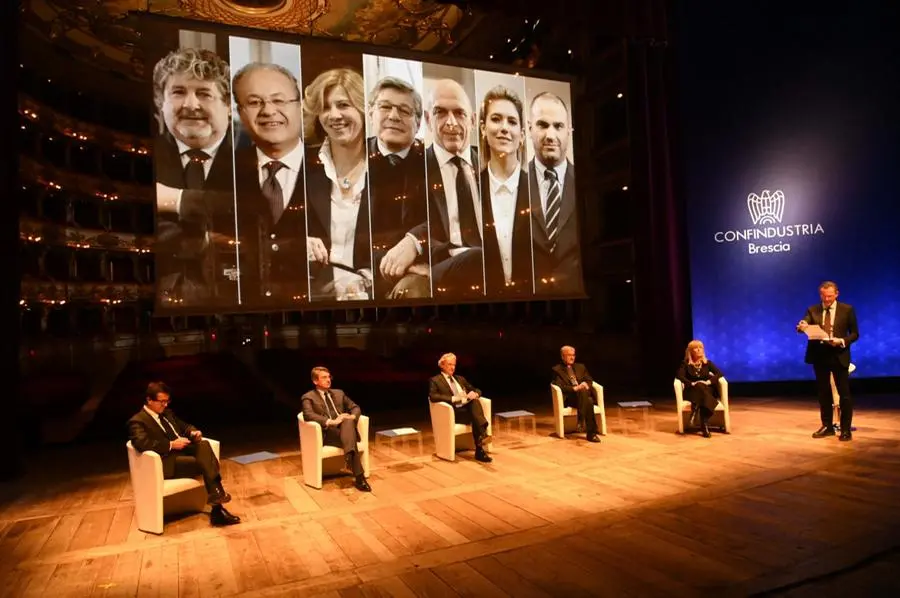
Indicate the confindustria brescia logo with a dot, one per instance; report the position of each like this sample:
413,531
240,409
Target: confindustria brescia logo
768,234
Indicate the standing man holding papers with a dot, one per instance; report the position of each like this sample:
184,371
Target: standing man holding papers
831,355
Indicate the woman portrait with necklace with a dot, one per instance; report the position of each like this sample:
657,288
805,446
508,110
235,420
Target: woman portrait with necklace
505,195
339,249
700,377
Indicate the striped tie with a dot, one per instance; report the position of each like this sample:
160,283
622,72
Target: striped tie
554,202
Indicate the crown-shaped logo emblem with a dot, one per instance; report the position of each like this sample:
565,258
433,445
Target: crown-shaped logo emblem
766,208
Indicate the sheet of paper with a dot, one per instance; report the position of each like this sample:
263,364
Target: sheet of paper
815,333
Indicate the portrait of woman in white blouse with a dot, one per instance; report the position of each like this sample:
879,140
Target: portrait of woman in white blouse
339,249
505,195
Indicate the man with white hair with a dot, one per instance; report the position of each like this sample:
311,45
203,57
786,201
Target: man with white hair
578,390
447,387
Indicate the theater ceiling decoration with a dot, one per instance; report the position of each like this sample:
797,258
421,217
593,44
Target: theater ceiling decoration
102,31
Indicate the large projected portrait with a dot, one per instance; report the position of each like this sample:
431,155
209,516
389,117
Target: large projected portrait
269,174
298,175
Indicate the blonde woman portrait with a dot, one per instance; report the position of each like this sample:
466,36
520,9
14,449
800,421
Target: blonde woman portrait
339,248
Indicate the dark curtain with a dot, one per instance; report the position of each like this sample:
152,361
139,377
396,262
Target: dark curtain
661,273
10,440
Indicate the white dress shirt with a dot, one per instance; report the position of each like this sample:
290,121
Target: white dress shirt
210,150
830,315
544,184
503,206
155,417
455,388
448,178
344,215
286,176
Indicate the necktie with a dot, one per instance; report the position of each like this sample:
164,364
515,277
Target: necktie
455,387
329,404
554,202
468,224
826,321
571,373
194,175
271,190
394,159
171,434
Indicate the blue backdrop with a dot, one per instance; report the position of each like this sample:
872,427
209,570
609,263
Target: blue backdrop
797,112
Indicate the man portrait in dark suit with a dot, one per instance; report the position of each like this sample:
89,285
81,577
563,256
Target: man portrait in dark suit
577,387
332,409
184,452
831,357
194,181
397,191
557,257
455,390
454,203
270,188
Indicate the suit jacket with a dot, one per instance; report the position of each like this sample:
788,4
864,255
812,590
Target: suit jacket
844,328
272,254
439,390
318,223
146,435
398,204
438,218
522,282
314,409
561,378
187,264
564,264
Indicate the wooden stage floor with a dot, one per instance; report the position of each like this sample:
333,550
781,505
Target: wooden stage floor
765,510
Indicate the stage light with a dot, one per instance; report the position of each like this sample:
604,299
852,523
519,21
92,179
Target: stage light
620,95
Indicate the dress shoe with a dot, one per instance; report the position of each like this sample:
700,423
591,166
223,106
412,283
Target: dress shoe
220,516
361,484
823,432
482,456
593,438
704,430
218,496
846,435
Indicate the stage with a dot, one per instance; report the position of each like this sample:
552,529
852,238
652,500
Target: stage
766,509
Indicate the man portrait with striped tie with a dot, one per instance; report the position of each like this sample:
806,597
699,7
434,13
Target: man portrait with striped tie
557,257
270,187
194,178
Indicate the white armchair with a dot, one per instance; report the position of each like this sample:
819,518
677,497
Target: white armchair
450,436
721,418
564,417
319,459
154,496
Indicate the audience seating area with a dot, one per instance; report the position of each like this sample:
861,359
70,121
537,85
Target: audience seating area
208,388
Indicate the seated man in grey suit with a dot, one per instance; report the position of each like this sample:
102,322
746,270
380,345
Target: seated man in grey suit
577,387
332,409
456,390
183,450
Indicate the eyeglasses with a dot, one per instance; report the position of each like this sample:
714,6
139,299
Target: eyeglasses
259,103
402,109
163,401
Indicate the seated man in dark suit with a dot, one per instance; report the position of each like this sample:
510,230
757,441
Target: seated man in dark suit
456,390
332,409
578,390
184,452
